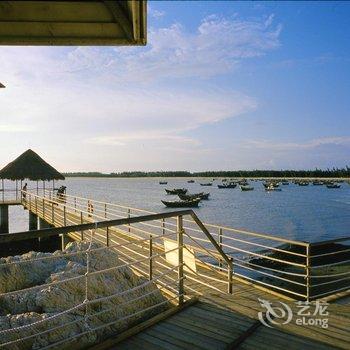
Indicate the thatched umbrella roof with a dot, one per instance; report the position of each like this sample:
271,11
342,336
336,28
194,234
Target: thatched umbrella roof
31,166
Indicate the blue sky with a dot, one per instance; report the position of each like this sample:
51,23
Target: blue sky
220,85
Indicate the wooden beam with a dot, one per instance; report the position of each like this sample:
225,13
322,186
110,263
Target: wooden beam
210,237
54,11
19,236
120,15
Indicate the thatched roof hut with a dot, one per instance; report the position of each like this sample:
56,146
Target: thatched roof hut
31,166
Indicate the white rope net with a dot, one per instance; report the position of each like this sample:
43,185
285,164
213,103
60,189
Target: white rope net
77,297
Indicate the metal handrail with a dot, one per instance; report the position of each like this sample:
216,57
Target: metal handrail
300,273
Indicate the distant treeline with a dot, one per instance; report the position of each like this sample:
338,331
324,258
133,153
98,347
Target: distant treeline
334,172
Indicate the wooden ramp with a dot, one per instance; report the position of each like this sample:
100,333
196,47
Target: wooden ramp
219,320
212,327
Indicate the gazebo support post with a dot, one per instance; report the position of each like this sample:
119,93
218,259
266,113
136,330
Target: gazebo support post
33,221
37,187
4,218
3,190
16,190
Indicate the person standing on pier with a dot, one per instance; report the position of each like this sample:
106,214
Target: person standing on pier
24,191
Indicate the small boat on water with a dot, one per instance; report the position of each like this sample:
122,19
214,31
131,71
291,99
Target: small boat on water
272,188
247,188
163,182
182,203
333,186
229,185
303,183
207,184
317,183
176,191
190,181
285,183
187,197
243,183
270,184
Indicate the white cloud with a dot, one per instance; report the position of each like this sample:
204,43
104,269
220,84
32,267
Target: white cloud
216,47
152,12
80,97
123,139
13,128
291,146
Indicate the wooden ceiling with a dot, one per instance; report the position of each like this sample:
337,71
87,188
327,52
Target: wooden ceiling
73,22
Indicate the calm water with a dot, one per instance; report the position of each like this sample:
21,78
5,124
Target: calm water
311,213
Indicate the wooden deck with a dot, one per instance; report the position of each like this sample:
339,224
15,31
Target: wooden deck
10,202
209,326
219,320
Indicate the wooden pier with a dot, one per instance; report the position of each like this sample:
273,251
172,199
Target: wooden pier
215,308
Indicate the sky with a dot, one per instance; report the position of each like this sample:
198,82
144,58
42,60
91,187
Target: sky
219,86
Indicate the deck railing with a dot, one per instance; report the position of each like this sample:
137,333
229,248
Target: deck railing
300,270
98,313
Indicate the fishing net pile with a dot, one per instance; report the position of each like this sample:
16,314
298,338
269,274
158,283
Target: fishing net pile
46,294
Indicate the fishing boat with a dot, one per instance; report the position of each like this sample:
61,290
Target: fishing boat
270,184
163,182
303,183
187,197
243,183
182,203
247,188
317,183
272,188
207,184
176,191
333,186
190,181
285,183
229,185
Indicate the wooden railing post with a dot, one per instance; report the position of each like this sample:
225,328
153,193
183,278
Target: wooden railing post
229,277
150,267
220,245
36,205
52,214
307,267
30,202
81,221
75,204
64,216
105,210
163,226
107,236
180,260
44,208
129,211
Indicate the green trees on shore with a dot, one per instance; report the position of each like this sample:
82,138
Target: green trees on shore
334,172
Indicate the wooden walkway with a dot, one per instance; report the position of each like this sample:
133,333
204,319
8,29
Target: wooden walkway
209,326
219,320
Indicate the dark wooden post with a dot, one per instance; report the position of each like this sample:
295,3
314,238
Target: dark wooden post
180,260
4,219
150,266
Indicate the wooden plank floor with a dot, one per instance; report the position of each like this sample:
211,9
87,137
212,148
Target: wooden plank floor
210,327
219,318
